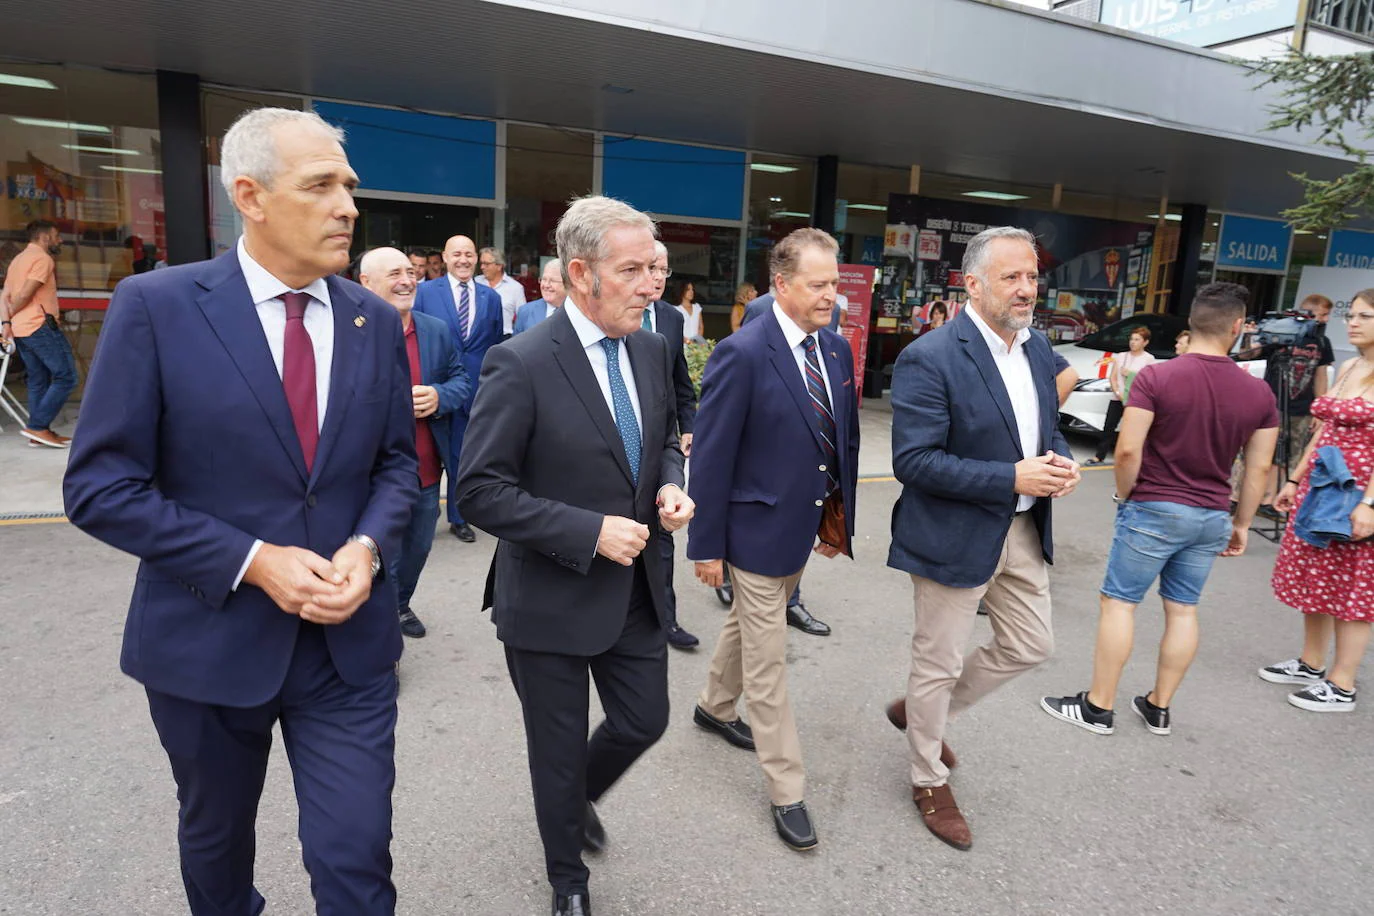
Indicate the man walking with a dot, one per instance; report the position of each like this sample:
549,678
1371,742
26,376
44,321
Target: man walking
977,449
551,296
258,457
492,263
439,385
1184,423
29,315
775,465
472,312
572,462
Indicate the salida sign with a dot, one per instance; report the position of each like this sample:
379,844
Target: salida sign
1252,244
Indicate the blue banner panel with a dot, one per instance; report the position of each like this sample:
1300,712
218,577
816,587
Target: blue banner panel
417,153
1253,244
1351,248
673,179
1201,23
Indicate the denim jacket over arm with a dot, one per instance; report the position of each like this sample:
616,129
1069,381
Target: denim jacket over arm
1331,496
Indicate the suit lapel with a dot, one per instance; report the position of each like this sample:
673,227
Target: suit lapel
839,401
228,307
1042,367
978,350
572,359
343,373
786,365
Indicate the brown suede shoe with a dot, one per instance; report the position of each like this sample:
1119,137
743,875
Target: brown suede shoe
942,815
896,714
44,437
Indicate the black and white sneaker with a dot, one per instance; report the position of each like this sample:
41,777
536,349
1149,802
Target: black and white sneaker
1156,718
1075,711
1293,671
1323,696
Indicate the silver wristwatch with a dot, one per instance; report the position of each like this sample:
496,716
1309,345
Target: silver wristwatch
371,545
1368,501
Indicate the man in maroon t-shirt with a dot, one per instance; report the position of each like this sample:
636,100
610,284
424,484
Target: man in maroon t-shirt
1185,422
439,384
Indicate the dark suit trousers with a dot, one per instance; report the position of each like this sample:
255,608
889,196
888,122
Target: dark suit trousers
665,552
458,427
567,770
341,743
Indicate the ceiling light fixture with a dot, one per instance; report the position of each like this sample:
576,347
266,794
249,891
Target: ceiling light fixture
771,168
61,125
25,82
793,214
995,195
1171,217
879,207
1302,231
108,150
125,168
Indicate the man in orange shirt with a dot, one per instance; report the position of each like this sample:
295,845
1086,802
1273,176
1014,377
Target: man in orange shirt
29,314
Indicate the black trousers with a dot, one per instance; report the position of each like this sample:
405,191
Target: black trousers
665,552
566,769
1107,444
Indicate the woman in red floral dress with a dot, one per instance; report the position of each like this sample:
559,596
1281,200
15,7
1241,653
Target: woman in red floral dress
1333,586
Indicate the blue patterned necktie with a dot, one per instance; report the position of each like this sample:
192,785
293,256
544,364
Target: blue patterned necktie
820,402
624,410
463,307
648,323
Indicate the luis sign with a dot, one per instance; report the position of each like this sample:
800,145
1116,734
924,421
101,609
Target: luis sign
1252,244
1200,22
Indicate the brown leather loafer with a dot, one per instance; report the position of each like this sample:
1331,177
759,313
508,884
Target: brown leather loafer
896,714
942,815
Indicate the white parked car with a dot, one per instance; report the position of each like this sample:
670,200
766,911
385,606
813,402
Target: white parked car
1086,409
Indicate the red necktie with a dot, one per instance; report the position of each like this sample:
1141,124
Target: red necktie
298,376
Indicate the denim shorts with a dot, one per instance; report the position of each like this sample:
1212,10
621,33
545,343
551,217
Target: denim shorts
1175,543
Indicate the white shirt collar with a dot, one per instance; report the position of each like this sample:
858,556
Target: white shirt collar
454,282
587,333
996,344
262,286
790,332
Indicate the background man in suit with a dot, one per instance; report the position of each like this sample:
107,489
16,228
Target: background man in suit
258,457
472,312
663,319
492,262
973,521
419,260
551,298
779,439
572,462
439,384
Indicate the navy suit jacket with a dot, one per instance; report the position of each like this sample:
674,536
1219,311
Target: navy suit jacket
530,314
668,321
441,368
954,449
435,297
186,452
761,305
758,468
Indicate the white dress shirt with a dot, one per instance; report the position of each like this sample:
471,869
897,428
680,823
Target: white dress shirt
266,291
549,308
1013,364
590,336
794,337
512,297
455,285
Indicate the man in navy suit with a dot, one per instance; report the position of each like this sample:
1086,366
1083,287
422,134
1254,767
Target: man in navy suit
439,383
977,448
258,456
473,314
774,464
552,294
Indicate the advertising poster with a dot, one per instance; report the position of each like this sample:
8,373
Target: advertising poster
928,245
1201,23
856,284
1339,284
899,242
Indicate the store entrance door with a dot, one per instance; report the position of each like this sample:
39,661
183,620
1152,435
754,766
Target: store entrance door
407,224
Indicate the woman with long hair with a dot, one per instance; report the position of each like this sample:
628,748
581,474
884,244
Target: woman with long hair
1125,367
1333,586
684,299
745,293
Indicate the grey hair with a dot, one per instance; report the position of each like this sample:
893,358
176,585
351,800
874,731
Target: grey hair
370,257
976,254
582,231
497,255
660,249
555,262
249,148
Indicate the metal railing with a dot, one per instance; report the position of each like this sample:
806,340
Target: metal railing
1353,16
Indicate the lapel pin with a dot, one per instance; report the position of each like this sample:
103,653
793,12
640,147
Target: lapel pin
359,321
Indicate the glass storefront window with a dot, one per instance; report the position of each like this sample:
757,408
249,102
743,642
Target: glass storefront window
220,108
545,168
81,147
861,196
781,191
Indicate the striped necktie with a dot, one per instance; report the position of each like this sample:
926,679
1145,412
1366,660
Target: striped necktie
463,309
820,403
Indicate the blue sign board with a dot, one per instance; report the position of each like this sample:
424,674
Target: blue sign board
1351,248
1252,244
1201,23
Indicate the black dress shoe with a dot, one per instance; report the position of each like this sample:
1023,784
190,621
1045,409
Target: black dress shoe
411,625
463,532
572,905
679,638
794,826
736,732
593,834
798,616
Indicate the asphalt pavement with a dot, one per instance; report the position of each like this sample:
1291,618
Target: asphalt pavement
1251,806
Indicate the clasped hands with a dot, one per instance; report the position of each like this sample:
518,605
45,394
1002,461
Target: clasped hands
622,539
303,583
1047,475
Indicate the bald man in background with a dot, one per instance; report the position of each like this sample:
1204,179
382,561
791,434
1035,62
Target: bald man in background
474,317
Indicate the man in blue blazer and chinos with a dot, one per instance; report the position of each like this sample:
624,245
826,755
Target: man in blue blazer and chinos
977,448
473,314
247,433
774,465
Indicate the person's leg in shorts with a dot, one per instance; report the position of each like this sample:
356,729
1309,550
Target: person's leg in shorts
1180,589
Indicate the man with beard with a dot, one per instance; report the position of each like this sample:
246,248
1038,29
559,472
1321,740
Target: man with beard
29,315
976,446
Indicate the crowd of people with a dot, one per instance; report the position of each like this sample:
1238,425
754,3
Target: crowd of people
275,463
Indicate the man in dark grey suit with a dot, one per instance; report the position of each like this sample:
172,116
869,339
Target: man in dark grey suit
572,460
